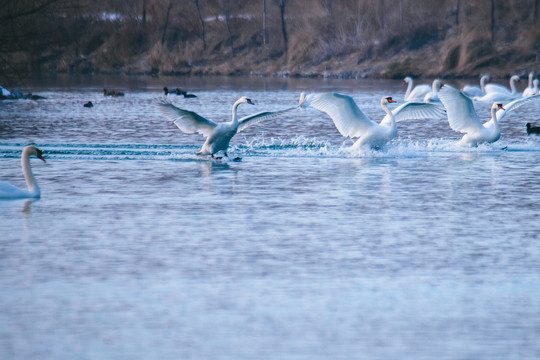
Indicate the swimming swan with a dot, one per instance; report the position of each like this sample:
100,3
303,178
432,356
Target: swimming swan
352,122
433,95
497,92
532,91
463,118
8,191
529,90
418,92
473,90
218,135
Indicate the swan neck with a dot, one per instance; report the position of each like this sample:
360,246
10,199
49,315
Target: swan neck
409,88
392,118
31,182
494,116
483,81
234,109
513,85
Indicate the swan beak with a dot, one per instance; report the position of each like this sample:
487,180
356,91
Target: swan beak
40,156
390,100
501,107
250,102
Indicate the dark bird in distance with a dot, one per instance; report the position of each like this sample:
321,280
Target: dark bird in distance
532,129
88,104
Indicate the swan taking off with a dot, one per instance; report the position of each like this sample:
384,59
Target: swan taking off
352,122
415,93
218,135
8,191
463,118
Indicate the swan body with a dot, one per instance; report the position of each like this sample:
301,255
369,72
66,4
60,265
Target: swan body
463,118
473,90
351,122
415,93
218,135
433,95
534,90
8,191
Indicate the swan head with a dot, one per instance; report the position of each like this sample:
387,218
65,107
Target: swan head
407,80
515,78
437,84
497,105
33,150
245,99
387,100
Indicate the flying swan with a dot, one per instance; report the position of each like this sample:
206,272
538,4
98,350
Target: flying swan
463,118
352,122
218,135
8,191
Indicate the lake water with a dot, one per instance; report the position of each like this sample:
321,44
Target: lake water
139,249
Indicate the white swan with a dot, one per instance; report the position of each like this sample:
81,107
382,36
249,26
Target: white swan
218,135
497,92
534,90
352,122
433,95
473,90
418,92
8,191
530,86
462,116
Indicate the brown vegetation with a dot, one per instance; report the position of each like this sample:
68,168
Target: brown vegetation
346,38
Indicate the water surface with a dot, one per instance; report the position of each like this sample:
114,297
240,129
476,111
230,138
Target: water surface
305,249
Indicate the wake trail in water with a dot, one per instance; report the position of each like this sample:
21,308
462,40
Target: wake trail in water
298,147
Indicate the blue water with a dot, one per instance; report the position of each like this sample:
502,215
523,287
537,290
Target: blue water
304,249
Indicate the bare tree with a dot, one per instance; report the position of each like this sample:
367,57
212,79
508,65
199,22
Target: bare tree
143,12
201,19
281,4
166,25
265,31
492,17
458,5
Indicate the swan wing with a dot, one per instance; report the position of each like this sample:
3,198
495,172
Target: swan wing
8,191
347,116
255,118
188,121
416,110
511,106
460,110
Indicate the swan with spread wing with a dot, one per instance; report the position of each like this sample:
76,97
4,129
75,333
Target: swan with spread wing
218,135
352,122
463,118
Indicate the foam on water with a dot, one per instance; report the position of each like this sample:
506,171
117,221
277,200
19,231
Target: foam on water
261,146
